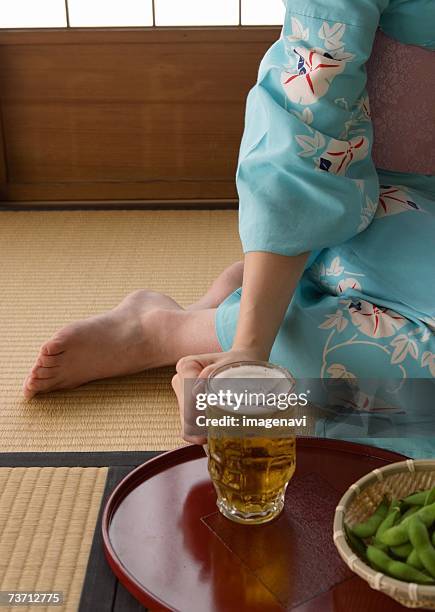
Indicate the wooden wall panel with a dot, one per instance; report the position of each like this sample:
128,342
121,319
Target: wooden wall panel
152,114
3,168
144,142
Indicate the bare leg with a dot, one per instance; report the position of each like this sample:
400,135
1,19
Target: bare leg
227,282
146,330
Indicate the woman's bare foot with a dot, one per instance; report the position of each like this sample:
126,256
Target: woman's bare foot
128,339
146,330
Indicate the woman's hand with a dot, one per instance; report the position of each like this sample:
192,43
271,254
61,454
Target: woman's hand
268,284
199,367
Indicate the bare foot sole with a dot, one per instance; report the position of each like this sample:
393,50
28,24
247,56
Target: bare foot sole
122,341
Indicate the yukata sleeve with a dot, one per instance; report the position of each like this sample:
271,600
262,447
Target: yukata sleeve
305,175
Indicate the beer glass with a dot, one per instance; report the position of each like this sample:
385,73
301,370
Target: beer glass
250,466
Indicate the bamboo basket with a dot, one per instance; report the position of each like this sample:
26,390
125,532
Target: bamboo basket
359,502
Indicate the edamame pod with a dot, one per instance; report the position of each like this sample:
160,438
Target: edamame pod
399,533
369,527
396,569
388,522
416,499
412,510
404,550
356,544
414,560
419,537
427,514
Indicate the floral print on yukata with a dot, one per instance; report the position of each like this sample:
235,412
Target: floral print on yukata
400,347
308,80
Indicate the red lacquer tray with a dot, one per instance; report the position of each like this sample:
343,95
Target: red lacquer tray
170,547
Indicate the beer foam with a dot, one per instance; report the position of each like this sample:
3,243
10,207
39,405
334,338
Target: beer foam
251,371
253,379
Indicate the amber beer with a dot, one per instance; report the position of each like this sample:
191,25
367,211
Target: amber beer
250,467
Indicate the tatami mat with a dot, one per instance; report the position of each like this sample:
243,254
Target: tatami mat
47,522
60,266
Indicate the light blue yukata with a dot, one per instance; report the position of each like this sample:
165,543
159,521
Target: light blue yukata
365,306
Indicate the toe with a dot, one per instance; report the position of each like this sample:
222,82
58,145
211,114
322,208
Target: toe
27,392
48,361
53,347
46,368
40,385
43,373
